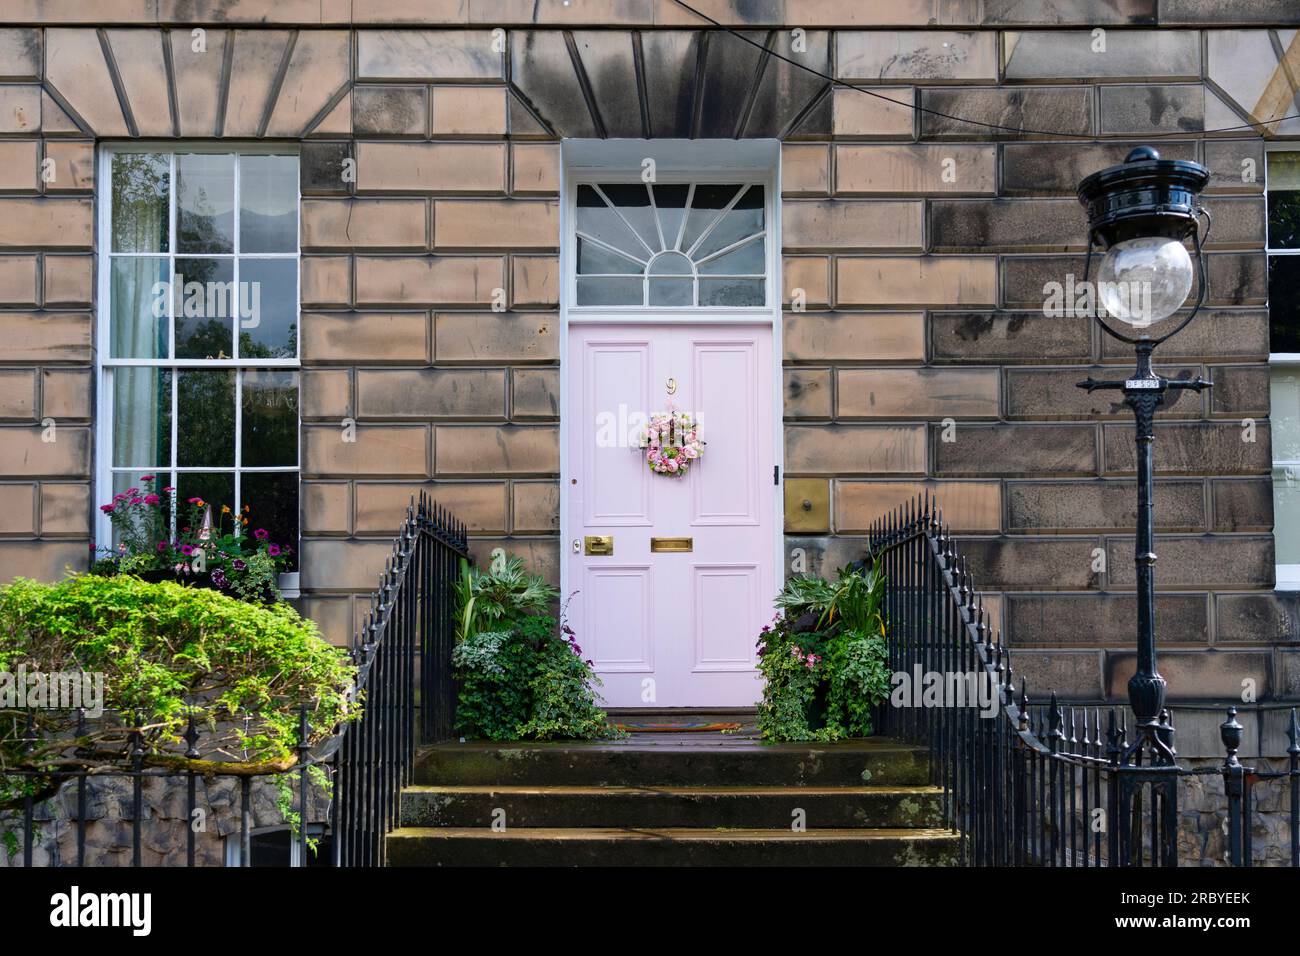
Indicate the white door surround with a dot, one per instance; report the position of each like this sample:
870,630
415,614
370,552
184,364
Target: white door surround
756,162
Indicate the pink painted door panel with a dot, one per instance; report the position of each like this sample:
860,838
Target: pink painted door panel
671,629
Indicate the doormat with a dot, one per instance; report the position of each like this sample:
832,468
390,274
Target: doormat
641,727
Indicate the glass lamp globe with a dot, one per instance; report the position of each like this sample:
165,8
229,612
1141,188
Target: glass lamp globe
1142,281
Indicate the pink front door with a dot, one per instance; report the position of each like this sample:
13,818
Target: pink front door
671,628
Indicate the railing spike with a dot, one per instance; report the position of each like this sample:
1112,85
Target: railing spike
1054,733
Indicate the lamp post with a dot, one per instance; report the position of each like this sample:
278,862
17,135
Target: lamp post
1139,214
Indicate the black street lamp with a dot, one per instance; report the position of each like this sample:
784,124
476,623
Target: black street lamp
1140,213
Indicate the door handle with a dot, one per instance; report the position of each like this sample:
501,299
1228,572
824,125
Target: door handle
598,544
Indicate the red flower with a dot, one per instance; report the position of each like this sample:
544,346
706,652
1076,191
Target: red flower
107,509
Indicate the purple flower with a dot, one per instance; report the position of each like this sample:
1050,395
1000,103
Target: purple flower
273,550
187,549
219,578
261,534
238,565
162,545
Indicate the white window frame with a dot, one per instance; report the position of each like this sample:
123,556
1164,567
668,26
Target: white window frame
1288,575
755,161
234,850
105,363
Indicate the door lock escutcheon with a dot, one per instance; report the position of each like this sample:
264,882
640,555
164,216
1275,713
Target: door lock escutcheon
598,544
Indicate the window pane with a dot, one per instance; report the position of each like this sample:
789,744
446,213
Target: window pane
746,260
1284,414
633,201
142,417
733,293
672,292
138,313
205,411
140,191
268,308
594,258
1284,200
124,481
707,202
743,220
270,418
215,488
204,328
205,202
671,264
1284,219
272,499
597,220
617,291
1284,303
1286,514
670,200
268,204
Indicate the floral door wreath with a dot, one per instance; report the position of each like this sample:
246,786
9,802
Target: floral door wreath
671,443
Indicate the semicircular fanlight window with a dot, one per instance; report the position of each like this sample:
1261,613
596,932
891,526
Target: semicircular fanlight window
671,245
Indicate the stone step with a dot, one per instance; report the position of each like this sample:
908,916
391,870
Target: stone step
675,807
634,763
522,846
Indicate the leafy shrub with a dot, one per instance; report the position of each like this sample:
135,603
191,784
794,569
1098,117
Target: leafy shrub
504,592
823,659
521,675
167,652
495,671
563,697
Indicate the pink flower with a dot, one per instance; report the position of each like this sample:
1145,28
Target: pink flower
261,534
162,545
152,499
107,509
672,464
187,549
136,500
273,550
169,488
132,491
119,497
146,477
194,501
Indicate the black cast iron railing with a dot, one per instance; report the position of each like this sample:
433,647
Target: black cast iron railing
404,642
402,651
1029,783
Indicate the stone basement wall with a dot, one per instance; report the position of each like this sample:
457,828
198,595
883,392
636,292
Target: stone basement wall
922,296
164,832
1203,817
